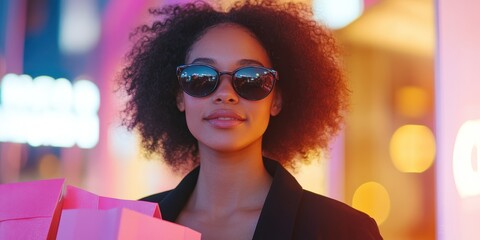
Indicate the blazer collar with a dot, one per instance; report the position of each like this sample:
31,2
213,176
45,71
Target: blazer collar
277,219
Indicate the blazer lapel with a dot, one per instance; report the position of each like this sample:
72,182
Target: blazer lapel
277,219
175,200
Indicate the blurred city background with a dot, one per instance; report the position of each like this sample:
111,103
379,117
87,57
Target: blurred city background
60,111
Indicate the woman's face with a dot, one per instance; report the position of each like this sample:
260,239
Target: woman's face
223,121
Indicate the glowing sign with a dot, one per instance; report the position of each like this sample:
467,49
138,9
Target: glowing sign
466,159
45,111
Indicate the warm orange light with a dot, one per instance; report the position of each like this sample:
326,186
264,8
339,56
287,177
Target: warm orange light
412,148
373,199
412,101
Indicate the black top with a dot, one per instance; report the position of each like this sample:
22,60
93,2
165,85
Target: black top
289,211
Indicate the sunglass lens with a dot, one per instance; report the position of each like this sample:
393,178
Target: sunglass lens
253,83
198,81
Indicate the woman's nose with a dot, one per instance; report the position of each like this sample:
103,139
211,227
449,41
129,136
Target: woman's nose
225,92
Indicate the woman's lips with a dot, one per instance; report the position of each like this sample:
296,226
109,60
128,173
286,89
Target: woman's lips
224,118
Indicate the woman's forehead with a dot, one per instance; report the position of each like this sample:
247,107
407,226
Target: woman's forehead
227,43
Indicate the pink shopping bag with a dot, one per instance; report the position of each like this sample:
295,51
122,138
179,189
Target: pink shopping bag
119,224
30,210
76,198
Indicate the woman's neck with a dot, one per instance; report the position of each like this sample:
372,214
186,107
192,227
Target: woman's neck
229,182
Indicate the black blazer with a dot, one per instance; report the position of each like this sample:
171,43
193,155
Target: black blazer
289,211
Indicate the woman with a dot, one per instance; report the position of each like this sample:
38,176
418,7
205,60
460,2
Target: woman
226,90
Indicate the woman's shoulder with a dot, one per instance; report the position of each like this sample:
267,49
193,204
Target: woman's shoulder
335,218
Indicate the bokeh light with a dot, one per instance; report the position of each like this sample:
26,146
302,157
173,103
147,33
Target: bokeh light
373,199
412,148
339,13
466,159
412,101
80,26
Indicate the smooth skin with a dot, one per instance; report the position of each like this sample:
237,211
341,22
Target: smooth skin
232,183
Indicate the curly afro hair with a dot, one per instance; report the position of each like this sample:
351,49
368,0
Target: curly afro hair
313,87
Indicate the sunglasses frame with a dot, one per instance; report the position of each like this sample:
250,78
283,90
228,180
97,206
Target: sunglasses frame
232,75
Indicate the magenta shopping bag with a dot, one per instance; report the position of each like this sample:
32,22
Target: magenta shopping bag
42,210
30,210
89,216
119,224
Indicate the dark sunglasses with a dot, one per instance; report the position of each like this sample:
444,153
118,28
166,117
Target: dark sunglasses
251,82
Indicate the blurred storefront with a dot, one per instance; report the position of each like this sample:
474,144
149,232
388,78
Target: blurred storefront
60,111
